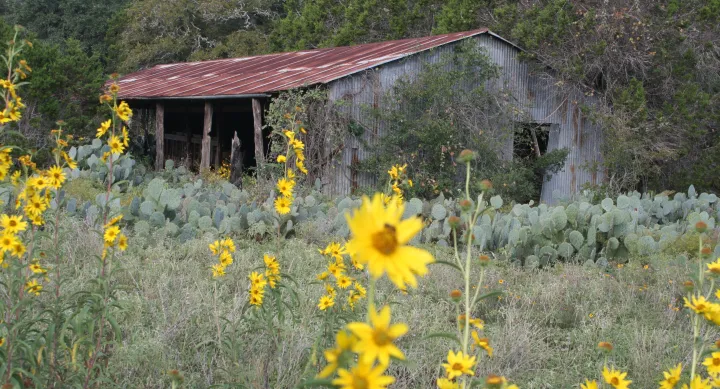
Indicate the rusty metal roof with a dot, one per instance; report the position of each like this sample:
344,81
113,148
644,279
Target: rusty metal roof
272,72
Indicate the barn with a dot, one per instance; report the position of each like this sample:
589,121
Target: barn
195,108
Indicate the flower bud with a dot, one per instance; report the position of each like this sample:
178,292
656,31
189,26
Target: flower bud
455,295
465,205
706,251
607,346
717,343
484,259
494,381
454,222
485,185
689,285
466,156
701,226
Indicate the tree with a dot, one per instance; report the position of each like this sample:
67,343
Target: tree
161,31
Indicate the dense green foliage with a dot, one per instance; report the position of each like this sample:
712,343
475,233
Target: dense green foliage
445,111
653,65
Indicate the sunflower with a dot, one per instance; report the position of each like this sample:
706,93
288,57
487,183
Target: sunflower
285,187
113,221
698,383
360,290
714,267
672,376
214,247
116,145
380,240
713,363
123,111
125,136
256,301
111,233
343,342
336,269
376,342
32,286
615,378
323,276
589,385
257,290
18,249
701,306
477,323
282,205
326,302
281,159
301,166
330,290
363,376
226,258
37,269
343,282
444,383
257,279
228,244
122,242
56,176
12,224
459,364
218,270
104,127
8,241
483,343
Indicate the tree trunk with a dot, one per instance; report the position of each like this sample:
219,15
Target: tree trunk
159,136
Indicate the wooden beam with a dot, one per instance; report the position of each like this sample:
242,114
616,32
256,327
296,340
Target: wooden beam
257,118
159,136
205,151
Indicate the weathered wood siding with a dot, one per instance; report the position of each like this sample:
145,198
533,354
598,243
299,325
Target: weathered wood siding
536,95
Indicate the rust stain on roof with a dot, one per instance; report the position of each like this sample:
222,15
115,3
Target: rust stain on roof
272,72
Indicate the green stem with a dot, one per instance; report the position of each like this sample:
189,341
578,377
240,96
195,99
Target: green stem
467,181
696,317
457,256
371,298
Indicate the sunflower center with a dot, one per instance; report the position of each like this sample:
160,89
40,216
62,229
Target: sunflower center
13,223
615,381
673,380
385,240
716,361
700,307
360,383
457,366
381,337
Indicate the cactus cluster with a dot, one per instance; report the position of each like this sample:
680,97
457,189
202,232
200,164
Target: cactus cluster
632,224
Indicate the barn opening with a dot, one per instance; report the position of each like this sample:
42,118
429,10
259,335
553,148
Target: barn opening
183,124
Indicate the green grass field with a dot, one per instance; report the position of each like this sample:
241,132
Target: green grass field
544,328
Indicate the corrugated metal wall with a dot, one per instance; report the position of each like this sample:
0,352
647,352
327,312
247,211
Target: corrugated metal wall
536,95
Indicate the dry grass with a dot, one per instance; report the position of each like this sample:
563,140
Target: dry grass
544,328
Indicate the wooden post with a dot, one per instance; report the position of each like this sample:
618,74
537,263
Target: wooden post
205,151
159,136
257,117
